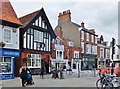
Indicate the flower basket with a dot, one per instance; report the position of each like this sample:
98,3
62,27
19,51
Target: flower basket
2,44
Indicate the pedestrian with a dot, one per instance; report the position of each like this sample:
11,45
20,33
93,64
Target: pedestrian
23,74
42,70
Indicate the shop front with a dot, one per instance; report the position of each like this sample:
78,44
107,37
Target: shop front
57,63
34,60
7,57
89,62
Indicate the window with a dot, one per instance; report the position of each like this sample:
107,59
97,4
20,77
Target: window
101,52
87,36
7,36
82,45
107,53
96,40
38,36
88,48
82,35
76,54
71,44
59,55
5,65
92,36
34,60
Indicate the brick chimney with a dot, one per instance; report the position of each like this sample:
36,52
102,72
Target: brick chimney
64,16
82,24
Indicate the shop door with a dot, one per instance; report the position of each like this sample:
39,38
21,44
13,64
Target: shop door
47,66
17,66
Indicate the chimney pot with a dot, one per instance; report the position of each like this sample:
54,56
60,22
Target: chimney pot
82,24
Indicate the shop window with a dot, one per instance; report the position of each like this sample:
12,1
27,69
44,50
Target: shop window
34,60
5,65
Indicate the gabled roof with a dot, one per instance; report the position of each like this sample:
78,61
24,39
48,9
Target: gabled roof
7,12
27,18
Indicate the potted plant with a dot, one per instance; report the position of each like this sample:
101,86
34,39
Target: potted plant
2,44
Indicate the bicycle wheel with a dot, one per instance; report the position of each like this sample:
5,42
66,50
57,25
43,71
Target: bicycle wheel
99,83
107,86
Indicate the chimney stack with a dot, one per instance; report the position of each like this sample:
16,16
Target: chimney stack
64,16
82,24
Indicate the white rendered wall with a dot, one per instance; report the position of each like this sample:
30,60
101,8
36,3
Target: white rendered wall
15,37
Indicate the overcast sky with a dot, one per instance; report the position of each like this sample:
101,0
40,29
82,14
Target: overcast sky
101,16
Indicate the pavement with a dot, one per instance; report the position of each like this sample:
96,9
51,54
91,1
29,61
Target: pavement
70,80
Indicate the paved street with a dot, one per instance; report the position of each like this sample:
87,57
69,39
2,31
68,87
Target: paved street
69,81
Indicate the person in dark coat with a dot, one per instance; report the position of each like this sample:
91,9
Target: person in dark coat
42,70
23,74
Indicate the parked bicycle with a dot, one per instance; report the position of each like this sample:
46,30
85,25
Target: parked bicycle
105,82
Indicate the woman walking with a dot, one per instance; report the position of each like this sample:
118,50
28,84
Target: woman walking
23,74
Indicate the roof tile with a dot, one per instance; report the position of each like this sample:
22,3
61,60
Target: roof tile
7,12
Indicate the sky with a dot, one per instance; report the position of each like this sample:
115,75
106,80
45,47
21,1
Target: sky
101,15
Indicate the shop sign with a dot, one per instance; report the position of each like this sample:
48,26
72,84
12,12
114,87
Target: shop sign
8,52
6,76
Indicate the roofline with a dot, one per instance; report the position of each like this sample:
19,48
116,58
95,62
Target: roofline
86,30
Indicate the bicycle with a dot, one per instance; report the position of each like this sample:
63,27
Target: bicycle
105,82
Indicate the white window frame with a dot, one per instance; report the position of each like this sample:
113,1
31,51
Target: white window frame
88,49
71,44
4,35
76,52
101,53
87,36
107,53
6,62
82,35
92,37
36,57
82,45
58,55
95,39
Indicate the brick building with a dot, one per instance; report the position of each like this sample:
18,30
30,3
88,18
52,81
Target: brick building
103,51
88,39
68,31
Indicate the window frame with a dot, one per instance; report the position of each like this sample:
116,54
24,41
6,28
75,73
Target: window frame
3,62
5,35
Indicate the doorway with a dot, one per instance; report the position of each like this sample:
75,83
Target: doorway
17,65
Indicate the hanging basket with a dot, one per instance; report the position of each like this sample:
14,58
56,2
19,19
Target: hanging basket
2,44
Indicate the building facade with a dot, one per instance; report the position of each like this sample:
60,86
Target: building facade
9,40
88,39
69,31
36,36
103,52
